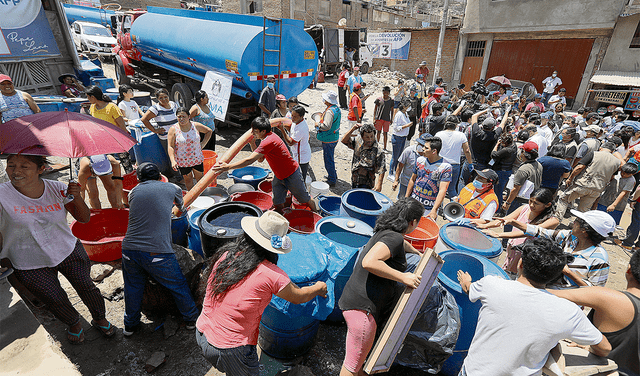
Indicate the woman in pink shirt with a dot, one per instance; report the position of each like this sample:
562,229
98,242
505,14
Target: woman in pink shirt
243,279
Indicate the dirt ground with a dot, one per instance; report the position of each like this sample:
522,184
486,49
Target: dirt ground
127,356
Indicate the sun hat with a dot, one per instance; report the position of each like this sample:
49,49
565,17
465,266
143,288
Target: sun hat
4,77
602,222
269,231
281,97
330,97
65,75
529,146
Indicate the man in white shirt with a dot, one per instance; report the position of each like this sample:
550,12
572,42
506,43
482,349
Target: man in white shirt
550,83
298,139
558,98
520,322
454,143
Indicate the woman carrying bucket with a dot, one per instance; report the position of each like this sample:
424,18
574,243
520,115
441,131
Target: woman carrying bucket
243,279
185,148
373,288
539,211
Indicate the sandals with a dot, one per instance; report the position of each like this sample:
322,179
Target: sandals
75,338
107,331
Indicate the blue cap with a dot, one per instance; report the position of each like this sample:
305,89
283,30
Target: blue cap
423,139
420,75
546,115
538,96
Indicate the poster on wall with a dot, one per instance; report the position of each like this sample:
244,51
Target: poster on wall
25,30
218,88
633,103
390,45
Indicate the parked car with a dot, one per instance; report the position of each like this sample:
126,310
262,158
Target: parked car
93,38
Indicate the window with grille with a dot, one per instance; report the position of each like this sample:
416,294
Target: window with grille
475,48
30,76
635,41
346,10
364,14
324,8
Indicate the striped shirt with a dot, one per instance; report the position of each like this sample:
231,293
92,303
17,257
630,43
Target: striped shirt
165,117
592,263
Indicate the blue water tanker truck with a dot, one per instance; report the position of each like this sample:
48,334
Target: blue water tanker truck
175,48
101,16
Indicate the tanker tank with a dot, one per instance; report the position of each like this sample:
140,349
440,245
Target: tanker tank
190,43
88,14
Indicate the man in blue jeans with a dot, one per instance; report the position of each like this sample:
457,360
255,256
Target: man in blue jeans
631,242
147,250
328,133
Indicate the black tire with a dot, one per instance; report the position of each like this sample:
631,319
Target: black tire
364,68
182,95
121,76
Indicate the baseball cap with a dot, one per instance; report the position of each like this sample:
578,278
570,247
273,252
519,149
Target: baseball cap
271,77
546,115
100,164
420,75
593,128
356,68
439,91
422,139
488,174
281,97
619,109
537,96
529,146
489,123
357,86
602,222
495,93
424,62
148,171
4,77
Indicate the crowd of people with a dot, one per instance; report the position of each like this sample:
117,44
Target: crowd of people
516,163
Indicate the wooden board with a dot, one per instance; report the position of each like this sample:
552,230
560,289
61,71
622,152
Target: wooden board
576,361
395,330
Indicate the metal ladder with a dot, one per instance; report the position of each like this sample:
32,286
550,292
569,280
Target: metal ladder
271,23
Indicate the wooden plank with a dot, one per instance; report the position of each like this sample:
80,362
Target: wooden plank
395,330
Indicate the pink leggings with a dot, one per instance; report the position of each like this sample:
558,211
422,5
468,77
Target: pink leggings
361,331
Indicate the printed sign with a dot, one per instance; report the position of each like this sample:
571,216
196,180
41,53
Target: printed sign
633,103
610,97
25,30
218,88
229,64
309,55
390,45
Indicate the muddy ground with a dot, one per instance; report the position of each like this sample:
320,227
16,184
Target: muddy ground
127,356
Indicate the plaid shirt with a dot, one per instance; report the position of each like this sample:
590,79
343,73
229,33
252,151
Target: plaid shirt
366,163
592,263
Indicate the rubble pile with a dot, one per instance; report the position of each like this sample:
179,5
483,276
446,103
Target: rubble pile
386,74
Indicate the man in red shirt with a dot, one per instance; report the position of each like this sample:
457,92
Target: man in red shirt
537,102
355,106
434,97
423,70
342,81
286,171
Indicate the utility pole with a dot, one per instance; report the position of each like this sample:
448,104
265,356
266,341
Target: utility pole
443,28
292,5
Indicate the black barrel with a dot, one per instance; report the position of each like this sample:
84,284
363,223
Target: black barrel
220,224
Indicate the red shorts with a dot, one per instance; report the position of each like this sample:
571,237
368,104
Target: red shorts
382,125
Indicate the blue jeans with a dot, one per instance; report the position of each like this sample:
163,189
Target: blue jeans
634,228
545,98
402,190
503,179
397,145
328,151
452,191
465,175
164,268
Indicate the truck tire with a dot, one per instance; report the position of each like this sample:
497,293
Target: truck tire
121,75
364,68
182,95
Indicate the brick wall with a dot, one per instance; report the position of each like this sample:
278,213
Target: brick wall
424,46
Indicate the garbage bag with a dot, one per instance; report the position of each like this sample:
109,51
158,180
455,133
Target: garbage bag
434,332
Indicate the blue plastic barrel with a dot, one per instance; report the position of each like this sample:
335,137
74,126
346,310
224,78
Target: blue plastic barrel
468,238
257,175
478,267
351,234
364,204
149,148
329,205
290,334
179,228
195,244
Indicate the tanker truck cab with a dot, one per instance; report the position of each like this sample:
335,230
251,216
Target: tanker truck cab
93,38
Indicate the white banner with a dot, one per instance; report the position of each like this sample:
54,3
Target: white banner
390,45
25,31
218,88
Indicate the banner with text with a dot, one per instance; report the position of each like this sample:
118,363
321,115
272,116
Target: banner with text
218,88
389,45
25,30
633,103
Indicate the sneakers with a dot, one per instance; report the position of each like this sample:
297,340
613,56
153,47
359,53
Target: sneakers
190,325
391,178
130,330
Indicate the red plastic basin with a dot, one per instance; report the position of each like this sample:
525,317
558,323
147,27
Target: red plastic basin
260,199
102,235
302,221
425,235
266,187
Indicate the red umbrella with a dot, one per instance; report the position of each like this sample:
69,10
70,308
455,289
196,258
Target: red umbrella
500,80
62,134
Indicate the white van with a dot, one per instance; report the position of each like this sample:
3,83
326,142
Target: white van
93,38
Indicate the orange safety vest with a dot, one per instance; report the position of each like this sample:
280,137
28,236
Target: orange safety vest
473,207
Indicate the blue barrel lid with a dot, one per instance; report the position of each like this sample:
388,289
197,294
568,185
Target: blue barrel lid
330,204
470,262
366,201
470,239
306,262
257,172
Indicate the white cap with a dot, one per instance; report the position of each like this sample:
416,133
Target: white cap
593,128
619,109
602,222
331,97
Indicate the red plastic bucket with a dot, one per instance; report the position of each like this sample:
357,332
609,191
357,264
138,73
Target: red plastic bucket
209,161
297,205
130,180
425,235
302,221
259,199
102,235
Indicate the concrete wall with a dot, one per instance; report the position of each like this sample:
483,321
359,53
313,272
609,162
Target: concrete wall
619,57
537,15
424,45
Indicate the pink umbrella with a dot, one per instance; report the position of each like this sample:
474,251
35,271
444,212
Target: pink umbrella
500,80
62,134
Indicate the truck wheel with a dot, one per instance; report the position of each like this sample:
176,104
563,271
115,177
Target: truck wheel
121,75
182,95
364,68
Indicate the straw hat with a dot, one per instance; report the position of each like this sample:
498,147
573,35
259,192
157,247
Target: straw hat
269,231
